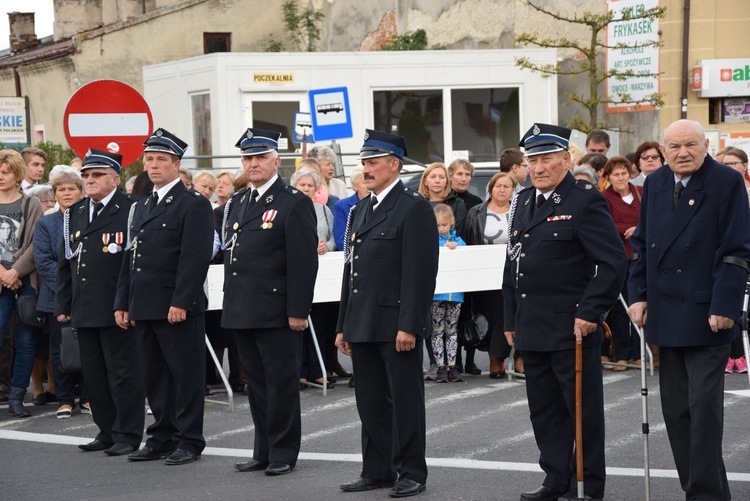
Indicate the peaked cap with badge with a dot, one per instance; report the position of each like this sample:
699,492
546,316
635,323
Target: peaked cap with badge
97,158
165,141
258,141
382,144
545,138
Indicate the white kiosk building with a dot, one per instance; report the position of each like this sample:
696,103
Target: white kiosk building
448,104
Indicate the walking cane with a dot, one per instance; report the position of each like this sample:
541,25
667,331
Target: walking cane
644,411
744,325
579,420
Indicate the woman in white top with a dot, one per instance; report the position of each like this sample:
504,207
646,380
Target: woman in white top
487,224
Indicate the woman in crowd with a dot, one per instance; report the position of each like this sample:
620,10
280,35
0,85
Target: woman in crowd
487,224
323,315
327,158
224,187
68,189
42,361
18,275
736,158
624,200
205,183
321,196
434,186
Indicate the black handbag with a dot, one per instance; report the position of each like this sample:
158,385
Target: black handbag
473,327
26,304
70,353
27,312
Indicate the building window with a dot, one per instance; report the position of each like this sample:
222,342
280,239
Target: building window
415,114
485,122
217,42
201,108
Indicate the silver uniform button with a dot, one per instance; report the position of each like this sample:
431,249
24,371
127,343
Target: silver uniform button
356,274
234,273
356,257
355,291
523,255
525,235
138,269
83,280
523,296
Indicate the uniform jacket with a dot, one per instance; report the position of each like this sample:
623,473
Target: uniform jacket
678,255
389,281
571,265
86,288
270,273
169,261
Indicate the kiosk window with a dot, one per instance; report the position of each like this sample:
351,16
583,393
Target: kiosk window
485,121
415,114
201,109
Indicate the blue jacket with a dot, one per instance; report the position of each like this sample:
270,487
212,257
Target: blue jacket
456,297
47,246
340,215
678,263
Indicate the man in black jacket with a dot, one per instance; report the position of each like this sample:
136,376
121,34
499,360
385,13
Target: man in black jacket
94,236
160,289
270,262
387,289
564,270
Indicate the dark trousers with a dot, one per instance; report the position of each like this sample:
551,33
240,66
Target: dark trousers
691,381
114,385
65,383
550,387
390,402
270,359
174,365
324,317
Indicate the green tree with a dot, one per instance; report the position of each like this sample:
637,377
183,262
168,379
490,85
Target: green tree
302,26
592,28
412,40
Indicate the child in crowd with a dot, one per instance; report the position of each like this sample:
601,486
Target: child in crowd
447,306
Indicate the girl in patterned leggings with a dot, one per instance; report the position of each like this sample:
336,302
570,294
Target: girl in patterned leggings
447,306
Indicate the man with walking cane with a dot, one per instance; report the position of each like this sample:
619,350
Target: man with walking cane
686,285
565,268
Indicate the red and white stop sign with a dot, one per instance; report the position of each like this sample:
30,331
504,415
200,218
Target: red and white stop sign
108,115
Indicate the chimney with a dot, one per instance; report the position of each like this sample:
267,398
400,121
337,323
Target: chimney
22,34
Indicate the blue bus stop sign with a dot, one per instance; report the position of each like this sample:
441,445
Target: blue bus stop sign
303,128
331,115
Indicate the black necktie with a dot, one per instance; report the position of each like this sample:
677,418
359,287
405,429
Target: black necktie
98,206
371,207
540,200
251,202
154,200
678,187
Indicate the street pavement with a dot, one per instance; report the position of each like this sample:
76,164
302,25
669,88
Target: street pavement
479,447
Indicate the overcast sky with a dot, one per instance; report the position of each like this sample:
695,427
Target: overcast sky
43,19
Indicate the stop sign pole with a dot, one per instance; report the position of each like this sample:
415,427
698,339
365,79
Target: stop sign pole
108,115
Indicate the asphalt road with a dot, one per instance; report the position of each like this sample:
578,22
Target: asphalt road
479,447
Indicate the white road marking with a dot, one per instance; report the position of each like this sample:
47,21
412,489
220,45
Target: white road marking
473,464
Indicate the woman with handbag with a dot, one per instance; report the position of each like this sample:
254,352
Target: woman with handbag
18,276
68,189
487,224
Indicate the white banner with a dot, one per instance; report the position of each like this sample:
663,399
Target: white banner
13,126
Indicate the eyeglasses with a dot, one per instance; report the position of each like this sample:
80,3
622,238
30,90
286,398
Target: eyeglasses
732,164
650,157
525,166
95,175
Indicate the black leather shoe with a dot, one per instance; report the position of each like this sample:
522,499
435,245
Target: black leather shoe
181,456
278,469
96,445
543,493
252,465
365,484
472,369
405,488
119,449
147,454
39,399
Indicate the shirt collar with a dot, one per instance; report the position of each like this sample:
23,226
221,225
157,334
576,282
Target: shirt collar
264,187
381,196
104,200
684,180
165,189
